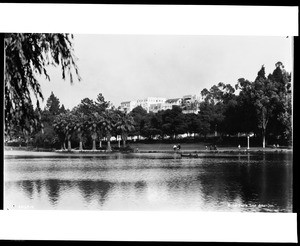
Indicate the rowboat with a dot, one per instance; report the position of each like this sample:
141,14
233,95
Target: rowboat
190,155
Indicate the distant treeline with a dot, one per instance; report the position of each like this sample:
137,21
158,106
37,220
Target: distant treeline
262,108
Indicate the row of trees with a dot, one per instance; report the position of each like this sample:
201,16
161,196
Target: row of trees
90,120
94,119
262,107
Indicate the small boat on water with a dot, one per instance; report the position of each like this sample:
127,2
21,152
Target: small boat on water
190,155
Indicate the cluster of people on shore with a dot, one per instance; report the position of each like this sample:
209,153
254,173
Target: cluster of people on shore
176,147
211,147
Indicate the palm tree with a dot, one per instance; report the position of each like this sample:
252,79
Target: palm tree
108,124
100,133
65,123
125,125
94,125
80,126
70,128
100,138
59,125
93,129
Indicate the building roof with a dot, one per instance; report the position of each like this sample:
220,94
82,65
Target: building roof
188,96
172,100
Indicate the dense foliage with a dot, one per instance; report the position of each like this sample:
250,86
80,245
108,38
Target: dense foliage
262,107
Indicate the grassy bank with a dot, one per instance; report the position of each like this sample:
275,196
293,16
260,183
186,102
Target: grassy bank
149,149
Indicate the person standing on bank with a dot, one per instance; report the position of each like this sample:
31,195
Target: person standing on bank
174,147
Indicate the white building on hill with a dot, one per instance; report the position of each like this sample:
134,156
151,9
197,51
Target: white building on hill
188,103
168,104
188,99
128,106
145,103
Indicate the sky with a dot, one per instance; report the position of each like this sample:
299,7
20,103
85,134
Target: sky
131,67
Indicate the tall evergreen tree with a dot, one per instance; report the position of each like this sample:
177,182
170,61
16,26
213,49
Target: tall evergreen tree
53,104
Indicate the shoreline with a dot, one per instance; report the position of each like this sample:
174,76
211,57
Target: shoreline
184,153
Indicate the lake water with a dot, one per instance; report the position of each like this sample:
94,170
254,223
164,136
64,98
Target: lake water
240,182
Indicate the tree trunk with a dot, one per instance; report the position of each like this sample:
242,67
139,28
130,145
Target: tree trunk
264,138
80,140
108,142
100,144
64,145
108,146
124,138
264,127
94,144
69,143
94,136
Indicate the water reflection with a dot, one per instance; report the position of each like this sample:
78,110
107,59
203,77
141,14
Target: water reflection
53,188
140,185
28,187
102,189
87,189
261,183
